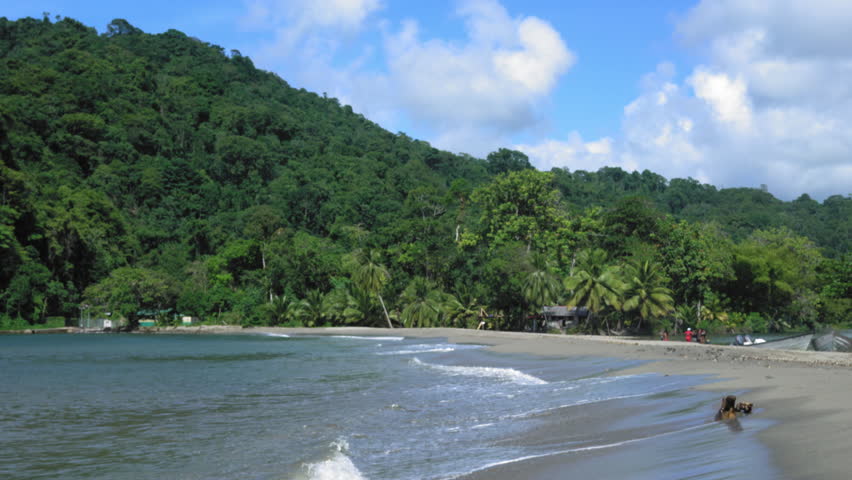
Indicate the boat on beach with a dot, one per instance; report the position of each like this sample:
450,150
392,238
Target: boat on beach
824,341
793,342
831,341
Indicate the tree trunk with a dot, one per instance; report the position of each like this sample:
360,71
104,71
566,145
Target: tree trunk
387,317
698,313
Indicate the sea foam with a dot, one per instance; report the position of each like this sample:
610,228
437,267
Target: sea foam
392,339
504,374
281,335
338,467
582,449
422,348
414,352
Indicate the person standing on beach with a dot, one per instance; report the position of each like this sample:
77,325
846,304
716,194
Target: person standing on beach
664,335
688,335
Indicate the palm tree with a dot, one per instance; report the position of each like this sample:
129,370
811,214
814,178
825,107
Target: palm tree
713,312
684,315
371,276
347,305
541,287
286,310
423,303
594,285
645,293
463,307
295,312
313,303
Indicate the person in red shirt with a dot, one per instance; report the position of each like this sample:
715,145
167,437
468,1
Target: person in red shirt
688,335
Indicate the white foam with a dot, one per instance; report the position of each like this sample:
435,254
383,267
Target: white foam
504,374
429,348
419,350
281,335
581,449
596,381
481,425
338,467
584,401
393,339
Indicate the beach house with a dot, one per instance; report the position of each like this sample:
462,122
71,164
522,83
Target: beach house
562,317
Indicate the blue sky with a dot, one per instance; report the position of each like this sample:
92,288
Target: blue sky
728,92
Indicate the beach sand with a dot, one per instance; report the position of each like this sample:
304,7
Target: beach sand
807,394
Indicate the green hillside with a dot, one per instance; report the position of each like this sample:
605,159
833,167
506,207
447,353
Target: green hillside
158,172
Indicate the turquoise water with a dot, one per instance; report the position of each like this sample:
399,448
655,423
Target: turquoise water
277,407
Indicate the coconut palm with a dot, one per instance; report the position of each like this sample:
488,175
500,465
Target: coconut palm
371,276
285,309
595,284
334,303
347,305
423,303
463,307
541,286
684,315
313,305
644,293
713,313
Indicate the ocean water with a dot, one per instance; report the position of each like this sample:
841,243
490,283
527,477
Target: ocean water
321,407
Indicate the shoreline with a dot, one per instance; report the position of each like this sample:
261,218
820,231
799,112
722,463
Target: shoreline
804,393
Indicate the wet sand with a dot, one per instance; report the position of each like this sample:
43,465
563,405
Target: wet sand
807,394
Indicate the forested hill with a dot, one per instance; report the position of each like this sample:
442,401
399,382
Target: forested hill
159,172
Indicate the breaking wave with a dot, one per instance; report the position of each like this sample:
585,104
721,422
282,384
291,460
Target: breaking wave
504,374
423,348
338,467
392,339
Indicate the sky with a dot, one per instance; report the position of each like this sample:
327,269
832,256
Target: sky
728,92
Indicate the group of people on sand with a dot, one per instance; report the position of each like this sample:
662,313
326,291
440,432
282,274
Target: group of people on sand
700,336
689,335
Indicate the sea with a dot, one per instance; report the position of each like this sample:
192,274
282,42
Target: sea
272,406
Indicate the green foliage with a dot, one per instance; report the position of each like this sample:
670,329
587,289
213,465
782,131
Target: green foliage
505,160
521,206
541,286
645,293
128,290
423,304
596,284
776,274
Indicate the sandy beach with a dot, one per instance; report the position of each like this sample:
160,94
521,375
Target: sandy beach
806,394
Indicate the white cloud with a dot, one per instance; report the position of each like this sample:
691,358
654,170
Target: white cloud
306,14
726,96
294,20
540,60
572,153
488,85
772,103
